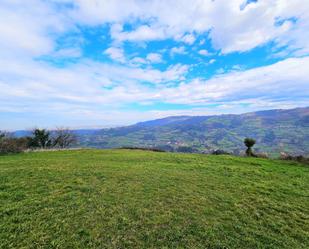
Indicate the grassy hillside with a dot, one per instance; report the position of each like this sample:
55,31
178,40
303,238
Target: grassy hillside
274,130
140,199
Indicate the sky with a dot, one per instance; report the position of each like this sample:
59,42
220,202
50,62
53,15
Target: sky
103,63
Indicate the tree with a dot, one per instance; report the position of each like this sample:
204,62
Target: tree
249,142
2,135
40,138
63,138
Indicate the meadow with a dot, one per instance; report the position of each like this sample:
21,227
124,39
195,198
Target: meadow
141,199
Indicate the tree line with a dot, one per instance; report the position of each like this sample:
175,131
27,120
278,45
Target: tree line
39,139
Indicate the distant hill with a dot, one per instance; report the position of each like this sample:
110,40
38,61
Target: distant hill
274,130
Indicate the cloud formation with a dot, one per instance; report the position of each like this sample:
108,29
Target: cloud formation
65,60
234,25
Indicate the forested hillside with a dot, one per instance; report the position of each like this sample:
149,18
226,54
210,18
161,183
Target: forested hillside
274,130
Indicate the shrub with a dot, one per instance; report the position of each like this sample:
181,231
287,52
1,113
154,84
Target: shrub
10,145
299,158
219,152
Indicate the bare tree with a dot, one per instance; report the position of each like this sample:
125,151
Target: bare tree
64,138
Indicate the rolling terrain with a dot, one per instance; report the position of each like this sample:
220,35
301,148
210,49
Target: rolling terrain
140,199
274,130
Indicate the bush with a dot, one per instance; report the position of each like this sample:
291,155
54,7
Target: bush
299,158
10,145
219,152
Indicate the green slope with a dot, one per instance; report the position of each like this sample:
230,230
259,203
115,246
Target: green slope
139,199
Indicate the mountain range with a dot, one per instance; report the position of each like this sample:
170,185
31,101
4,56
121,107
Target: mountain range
274,131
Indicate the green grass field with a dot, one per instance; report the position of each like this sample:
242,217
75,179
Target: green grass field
140,199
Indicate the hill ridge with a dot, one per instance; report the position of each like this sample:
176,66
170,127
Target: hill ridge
275,130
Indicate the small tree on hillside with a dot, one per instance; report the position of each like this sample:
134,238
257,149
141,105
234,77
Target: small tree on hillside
64,138
249,142
40,138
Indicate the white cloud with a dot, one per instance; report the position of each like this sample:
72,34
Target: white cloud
142,33
138,60
154,58
204,52
189,39
178,50
95,84
232,26
116,54
67,53
151,58
84,83
98,90
28,27
267,83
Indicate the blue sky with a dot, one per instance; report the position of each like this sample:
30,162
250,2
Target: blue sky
102,63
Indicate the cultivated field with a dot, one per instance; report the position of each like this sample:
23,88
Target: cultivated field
140,199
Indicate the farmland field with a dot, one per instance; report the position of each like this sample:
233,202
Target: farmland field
141,199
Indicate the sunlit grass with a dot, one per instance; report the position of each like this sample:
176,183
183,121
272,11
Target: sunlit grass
140,199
